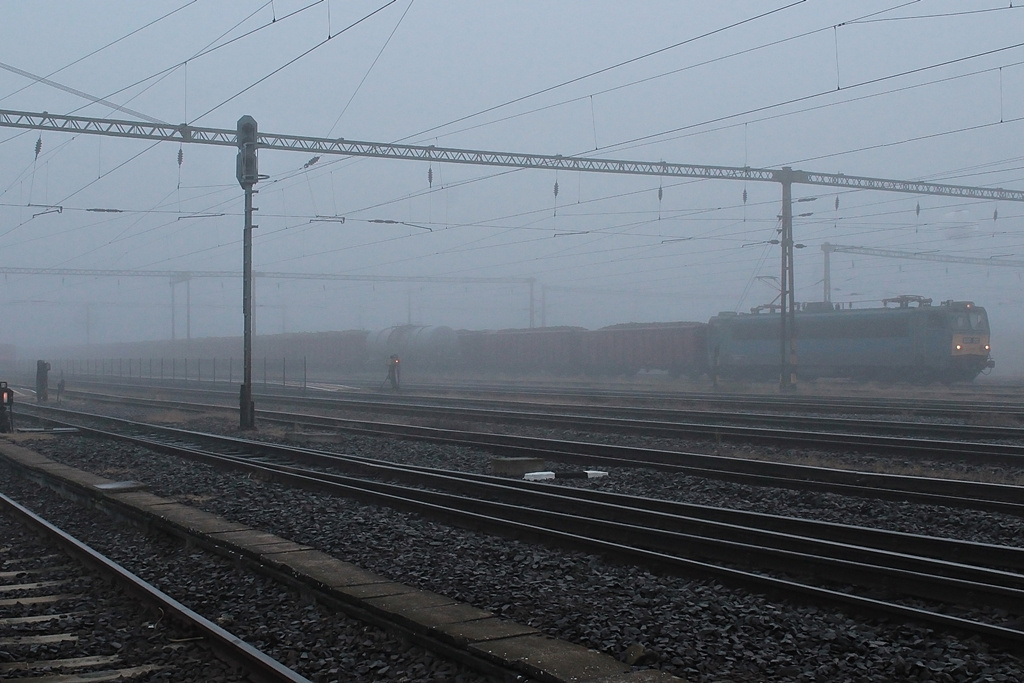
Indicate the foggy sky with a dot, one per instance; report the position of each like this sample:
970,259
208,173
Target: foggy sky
921,90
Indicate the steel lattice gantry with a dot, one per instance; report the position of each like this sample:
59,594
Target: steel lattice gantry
785,176
184,133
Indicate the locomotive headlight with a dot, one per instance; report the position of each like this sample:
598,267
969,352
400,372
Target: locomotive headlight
959,347
987,347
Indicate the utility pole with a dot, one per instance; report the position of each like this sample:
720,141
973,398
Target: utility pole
176,279
247,172
827,279
532,283
174,307
787,301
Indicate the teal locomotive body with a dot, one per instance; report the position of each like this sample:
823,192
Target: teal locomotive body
907,339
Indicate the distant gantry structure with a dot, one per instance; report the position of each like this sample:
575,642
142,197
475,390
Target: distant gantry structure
828,249
177,277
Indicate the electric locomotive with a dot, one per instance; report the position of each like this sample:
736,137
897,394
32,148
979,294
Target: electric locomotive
906,339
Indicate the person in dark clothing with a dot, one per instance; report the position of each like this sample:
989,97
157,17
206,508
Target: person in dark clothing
393,371
42,381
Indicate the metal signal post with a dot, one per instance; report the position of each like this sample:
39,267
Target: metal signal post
247,172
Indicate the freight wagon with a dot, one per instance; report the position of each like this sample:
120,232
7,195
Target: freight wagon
676,348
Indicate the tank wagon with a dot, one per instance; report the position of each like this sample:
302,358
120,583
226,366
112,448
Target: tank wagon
906,339
418,346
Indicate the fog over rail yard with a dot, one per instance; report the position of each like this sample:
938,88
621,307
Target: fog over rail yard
679,228
815,86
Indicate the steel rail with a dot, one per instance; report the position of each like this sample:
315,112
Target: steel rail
926,490
227,645
603,534
621,505
973,398
922,577
715,424
660,420
970,404
990,400
805,431
995,556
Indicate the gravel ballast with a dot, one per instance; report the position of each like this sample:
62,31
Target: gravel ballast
698,630
313,640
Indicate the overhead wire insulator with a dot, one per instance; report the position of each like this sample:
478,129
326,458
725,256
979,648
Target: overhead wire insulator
430,177
660,193
181,156
837,202
918,210
39,146
744,195
556,188
995,214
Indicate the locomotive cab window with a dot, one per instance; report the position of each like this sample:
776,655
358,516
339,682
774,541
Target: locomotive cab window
966,321
978,320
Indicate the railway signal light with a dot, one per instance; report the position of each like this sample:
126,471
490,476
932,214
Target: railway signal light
246,165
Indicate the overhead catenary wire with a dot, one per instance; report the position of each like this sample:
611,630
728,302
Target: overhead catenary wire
336,212
606,69
910,86
164,72
632,83
211,47
370,68
832,27
293,60
103,100
107,45
821,93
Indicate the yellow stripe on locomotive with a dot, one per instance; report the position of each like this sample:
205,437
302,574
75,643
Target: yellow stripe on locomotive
971,345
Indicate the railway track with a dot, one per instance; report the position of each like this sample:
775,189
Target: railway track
983,444
58,616
766,553
961,405
798,429
954,493
953,403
